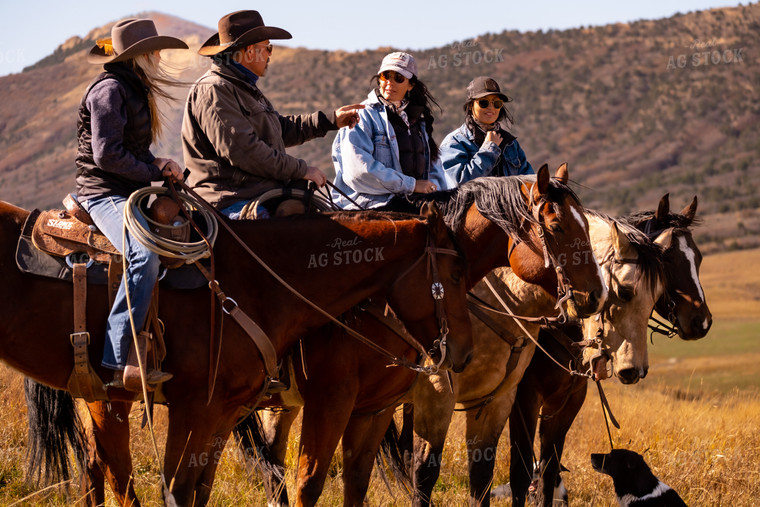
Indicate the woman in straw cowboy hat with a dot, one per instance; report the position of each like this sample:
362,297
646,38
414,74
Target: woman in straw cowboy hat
118,121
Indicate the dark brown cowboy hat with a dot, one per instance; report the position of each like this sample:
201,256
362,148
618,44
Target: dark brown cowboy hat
240,29
130,38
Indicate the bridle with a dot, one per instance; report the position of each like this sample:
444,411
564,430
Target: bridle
564,287
438,293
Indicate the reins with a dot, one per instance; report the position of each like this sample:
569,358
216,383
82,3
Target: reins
430,251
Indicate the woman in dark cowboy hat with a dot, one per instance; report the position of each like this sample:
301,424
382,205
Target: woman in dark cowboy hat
483,146
118,121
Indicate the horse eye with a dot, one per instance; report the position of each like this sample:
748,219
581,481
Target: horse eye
626,294
555,228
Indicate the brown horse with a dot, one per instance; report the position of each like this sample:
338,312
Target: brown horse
558,397
361,406
364,255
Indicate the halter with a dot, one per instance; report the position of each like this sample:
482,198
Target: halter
564,287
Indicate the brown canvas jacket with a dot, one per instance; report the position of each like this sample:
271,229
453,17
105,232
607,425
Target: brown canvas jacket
234,140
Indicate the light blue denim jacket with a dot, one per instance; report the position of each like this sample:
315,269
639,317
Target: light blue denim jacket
463,160
366,158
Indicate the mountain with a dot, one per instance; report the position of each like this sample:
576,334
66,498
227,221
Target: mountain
637,110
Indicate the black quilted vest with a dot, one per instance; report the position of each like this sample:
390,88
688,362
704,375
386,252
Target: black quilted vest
137,137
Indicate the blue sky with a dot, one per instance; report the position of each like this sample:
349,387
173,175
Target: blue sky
30,30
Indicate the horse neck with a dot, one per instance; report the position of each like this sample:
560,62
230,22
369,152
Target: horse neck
485,245
338,262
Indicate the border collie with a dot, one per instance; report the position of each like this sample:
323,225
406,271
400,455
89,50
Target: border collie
635,484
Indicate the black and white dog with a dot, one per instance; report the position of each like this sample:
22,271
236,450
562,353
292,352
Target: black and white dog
635,484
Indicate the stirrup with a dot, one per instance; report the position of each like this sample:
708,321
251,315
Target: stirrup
277,386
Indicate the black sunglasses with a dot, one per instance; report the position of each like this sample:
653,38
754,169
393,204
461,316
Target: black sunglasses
484,103
387,75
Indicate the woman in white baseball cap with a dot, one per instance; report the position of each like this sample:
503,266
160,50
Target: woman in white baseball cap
390,154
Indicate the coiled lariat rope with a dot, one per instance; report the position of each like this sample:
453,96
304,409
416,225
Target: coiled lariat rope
190,251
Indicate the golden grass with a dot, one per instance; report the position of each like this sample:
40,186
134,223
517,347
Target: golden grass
696,419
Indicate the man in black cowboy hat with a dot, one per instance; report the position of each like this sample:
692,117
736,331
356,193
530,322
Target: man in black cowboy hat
233,139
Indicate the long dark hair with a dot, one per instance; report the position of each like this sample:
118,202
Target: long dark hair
421,96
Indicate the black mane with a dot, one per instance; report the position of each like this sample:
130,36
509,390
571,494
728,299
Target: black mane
650,254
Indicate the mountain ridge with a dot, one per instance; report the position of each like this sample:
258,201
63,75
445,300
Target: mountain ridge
637,109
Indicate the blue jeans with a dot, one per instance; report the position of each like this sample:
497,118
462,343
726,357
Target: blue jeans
234,211
141,276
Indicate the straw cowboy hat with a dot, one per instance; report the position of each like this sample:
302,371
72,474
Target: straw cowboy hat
130,38
240,29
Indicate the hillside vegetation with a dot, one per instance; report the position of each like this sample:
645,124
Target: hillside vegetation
636,109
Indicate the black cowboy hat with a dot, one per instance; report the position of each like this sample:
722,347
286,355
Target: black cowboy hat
240,29
130,38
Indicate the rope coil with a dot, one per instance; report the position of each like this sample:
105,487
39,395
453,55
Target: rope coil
189,252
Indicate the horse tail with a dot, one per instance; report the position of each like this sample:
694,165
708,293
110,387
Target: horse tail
396,451
54,427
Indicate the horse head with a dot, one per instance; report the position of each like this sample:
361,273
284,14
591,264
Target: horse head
559,235
632,267
683,302
447,338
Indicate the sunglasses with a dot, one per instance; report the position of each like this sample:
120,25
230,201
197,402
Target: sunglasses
268,47
387,75
484,103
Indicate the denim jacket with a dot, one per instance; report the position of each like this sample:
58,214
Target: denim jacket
463,160
366,158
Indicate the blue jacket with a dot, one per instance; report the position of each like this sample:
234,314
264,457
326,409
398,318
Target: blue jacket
463,160
366,158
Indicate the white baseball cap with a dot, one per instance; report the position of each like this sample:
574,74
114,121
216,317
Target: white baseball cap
400,62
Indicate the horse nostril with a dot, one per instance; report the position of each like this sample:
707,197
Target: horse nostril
628,376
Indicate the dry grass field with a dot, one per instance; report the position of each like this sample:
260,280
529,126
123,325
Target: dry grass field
696,418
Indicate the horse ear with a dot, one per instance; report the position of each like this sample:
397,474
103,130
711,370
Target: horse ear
690,211
665,239
542,178
563,176
432,213
620,241
663,208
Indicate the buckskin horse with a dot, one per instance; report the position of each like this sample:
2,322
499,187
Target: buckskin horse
361,406
33,332
558,397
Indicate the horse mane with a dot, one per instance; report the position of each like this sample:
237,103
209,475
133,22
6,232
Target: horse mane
672,220
650,254
497,198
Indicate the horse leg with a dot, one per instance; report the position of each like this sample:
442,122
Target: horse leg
484,427
433,408
272,449
522,429
321,429
361,441
108,452
194,447
552,432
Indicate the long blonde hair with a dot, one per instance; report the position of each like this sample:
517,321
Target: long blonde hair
157,78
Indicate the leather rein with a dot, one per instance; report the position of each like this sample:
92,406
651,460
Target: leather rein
265,346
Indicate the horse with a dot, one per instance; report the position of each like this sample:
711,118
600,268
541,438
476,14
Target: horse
361,406
364,255
486,389
558,397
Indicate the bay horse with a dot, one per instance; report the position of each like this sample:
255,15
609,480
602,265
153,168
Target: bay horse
365,254
558,397
360,406
486,389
